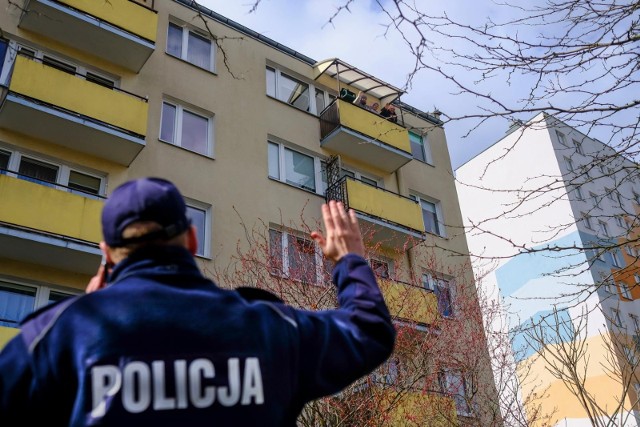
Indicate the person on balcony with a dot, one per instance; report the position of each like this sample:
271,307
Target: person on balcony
389,112
361,100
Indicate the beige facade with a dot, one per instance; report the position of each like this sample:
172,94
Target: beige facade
190,102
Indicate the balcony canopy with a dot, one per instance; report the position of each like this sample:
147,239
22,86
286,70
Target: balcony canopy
350,75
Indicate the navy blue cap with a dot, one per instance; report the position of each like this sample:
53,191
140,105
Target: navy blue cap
144,199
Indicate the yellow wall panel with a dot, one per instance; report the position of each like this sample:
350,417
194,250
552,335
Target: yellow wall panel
374,126
421,409
43,208
384,204
6,334
44,83
121,13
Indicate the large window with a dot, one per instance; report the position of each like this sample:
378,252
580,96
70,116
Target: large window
294,168
198,213
431,215
51,173
17,301
382,267
420,148
295,257
187,44
442,289
302,95
454,384
186,128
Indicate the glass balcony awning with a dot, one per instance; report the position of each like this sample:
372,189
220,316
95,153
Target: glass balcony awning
352,76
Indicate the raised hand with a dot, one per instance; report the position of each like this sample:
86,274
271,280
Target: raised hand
342,232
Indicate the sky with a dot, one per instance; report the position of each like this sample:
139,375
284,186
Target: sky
358,38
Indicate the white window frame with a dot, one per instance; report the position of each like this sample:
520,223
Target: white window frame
569,164
635,320
616,319
615,258
64,170
448,387
586,220
363,177
603,228
42,292
80,70
624,290
186,29
636,198
320,184
620,222
610,194
578,193
383,260
285,235
561,138
426,148
206,208
177,126
578,146
311,108
439,215
434,282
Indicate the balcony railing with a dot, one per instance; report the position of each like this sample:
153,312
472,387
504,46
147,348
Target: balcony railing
361,134
410,303
394,217
119,31
72,111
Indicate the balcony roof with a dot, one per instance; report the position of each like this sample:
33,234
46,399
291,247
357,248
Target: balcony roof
352,76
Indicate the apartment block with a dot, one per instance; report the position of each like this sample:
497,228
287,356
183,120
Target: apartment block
256,135
552,216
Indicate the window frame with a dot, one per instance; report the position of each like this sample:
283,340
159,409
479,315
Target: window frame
180,109
461,403
615,258
313,90
624,290
578,192
184,44
425,147
578,146
206,233
438,212
436,283
62,177
390,270
283,256
616,319
586,220
561,138
319,182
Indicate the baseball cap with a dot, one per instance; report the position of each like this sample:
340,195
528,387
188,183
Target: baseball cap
144,199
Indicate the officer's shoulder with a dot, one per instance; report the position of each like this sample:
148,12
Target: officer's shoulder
251,294
35,326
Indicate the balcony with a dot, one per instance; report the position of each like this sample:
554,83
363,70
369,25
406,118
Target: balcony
6,334
65,109
360,134
410,303
122,32
392,220
43,224
420,408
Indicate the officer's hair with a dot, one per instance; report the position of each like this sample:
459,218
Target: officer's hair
139,229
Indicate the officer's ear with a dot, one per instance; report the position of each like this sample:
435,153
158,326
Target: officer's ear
192,240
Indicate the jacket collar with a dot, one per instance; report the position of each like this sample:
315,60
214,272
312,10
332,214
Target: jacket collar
156,260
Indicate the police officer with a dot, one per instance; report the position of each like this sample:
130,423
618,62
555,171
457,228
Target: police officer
159,344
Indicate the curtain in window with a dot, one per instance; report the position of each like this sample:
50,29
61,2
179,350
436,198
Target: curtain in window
15,304
174,41
35,171
430,217
199,51
195,132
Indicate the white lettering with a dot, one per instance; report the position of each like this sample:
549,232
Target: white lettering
180,368
228,396
252,387
160,399
143,385
136,375
201,397
105,383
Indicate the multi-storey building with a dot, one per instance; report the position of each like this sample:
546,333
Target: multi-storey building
254,134
555,213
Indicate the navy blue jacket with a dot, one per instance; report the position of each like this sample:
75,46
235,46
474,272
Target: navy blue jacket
164,346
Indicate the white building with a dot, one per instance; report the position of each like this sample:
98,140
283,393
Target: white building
554,212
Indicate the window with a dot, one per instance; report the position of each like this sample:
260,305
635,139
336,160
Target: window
624,290
561,138
17,301
198,215
442,289
586,220
569,164
609,287
615,317
454,384
636,198
578,147
382,267
578,193
288,89
594,198
295,257
294,168
361,177
187,129
619,221
636,277
420,148
190,46
431,215
610,194
603,228
615,258
635,322
51,174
